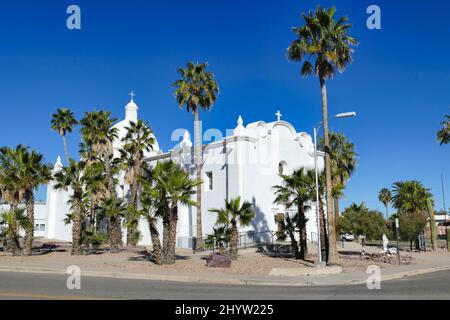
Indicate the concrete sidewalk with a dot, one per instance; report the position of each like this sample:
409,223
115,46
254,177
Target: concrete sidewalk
426,266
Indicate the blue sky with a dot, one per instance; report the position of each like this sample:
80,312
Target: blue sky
398,84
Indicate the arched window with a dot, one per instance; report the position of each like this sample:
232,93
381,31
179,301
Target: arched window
282,167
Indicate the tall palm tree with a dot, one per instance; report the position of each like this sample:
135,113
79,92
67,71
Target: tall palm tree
233,214
62,122
73,177
98,136
138,138
324,46
296,191
443,135
196,89
385,197
12,188
343,164
33,173
178,188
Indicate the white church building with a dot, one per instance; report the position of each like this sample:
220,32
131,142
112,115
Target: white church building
246,163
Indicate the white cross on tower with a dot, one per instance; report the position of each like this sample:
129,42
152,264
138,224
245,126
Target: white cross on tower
132,94
278,114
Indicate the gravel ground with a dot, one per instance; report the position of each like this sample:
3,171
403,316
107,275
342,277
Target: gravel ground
249,263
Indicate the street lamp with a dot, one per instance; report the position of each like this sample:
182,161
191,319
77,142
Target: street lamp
320,262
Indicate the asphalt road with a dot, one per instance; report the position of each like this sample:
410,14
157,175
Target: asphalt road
46,286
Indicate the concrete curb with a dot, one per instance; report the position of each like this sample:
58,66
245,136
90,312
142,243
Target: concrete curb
224,281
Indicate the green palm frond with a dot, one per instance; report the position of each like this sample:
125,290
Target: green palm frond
63,121
323,44
196,87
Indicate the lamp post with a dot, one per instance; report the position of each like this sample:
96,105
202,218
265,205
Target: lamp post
320,262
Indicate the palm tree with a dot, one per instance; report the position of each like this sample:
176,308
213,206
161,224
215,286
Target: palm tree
410,198
12,219
443,135
113,209
12,188
297,190
177,188
73,177
98,136
385,196
287,226
216,239
138,138
324,42
33,173
152,202
62,122
234,212
196,89
343,164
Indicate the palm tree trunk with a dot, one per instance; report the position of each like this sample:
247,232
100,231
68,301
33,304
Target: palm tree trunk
133,203
156,242
302,232
14,244
166,236
234,239
115,234
336,207
172,236
294,245
66,150
76,227
198,167
387,214
29,232
333,253
323,231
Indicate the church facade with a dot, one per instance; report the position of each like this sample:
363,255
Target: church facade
246,163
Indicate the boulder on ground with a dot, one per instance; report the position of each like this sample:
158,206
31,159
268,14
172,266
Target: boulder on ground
218,261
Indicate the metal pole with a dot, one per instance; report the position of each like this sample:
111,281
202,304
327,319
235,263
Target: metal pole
398,246
319,246
443,197
445,211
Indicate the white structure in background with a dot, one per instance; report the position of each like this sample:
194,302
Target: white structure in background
247,163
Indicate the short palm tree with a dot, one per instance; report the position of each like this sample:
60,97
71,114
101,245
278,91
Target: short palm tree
10,220
296,191
385,197
152,202
62,122
11,187
287,226
177,188
218,238
324,46
443,135
33,173
137,140
73,177
233,214
411,198
196,89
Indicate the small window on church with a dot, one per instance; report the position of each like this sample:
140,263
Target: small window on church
282,167
209,181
